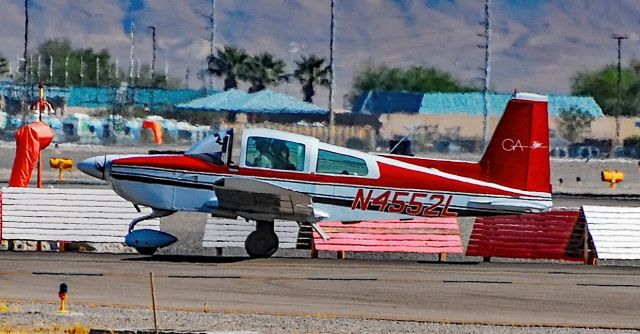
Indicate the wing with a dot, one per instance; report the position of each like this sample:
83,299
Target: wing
259,200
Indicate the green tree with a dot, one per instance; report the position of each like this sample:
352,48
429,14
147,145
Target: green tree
229,63
573,122
264,70
414,79
73,66
602,85
310,71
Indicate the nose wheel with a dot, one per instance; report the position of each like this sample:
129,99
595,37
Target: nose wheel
263,242
146,250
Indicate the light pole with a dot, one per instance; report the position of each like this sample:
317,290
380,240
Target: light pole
619,37
332,117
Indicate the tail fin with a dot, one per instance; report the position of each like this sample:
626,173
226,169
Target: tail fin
518,154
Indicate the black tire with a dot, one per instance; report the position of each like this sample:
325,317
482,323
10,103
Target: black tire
146,250
261,244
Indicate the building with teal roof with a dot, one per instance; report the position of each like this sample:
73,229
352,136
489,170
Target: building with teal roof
104,97
262,102
471,103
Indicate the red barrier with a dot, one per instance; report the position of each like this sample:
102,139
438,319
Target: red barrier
549,235
0,215
420,235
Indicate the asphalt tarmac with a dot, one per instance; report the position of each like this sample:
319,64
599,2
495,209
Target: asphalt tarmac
555,295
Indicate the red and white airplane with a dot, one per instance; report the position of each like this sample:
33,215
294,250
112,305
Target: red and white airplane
282,175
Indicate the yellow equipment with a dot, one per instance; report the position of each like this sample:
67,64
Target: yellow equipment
612,176
62,165
63,298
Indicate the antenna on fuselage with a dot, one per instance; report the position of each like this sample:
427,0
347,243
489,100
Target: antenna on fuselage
411,130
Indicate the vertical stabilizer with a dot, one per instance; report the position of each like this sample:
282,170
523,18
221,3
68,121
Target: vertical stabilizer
518,153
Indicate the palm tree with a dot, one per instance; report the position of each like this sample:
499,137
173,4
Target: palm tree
4,65
230,63
311,70
264,70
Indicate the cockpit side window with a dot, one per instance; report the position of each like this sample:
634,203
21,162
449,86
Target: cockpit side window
274,154
337,163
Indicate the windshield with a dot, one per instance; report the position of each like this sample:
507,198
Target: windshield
214,147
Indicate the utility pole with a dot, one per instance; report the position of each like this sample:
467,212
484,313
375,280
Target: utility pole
153,60
66,71
186,78
117,69
619,37
131,64
97,71
166,74
26,93
26,39
109,73
38,68
50,70
487,71
81,71
332,117
212,35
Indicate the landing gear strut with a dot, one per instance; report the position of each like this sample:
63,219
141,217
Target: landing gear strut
263,242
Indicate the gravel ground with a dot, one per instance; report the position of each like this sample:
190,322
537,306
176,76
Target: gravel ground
29,316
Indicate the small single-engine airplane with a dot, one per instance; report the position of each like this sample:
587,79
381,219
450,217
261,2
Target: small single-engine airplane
288,176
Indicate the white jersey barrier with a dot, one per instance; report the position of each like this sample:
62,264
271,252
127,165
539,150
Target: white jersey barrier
79,215
615,231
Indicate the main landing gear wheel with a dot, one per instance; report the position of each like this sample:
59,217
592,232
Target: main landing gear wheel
146,250
263,242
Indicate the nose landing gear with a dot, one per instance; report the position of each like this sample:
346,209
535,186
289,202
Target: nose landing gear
147,241
263,242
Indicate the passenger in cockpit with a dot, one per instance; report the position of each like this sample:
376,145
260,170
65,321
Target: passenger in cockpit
281,156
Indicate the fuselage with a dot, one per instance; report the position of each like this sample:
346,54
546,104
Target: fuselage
370,187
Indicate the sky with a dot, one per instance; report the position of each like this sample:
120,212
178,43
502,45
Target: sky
537,45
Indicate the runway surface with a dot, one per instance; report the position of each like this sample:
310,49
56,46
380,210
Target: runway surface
487,293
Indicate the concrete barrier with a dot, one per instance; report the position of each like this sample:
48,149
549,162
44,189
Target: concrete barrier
554,235
419,235
615,231
79,215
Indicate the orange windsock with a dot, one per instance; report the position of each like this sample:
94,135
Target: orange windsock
156,128
30,140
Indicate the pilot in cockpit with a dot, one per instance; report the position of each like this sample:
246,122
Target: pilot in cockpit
264,157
